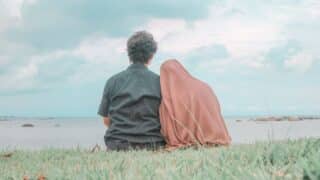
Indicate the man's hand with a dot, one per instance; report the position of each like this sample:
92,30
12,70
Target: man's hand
106,121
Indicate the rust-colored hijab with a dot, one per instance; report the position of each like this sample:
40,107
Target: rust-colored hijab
189,112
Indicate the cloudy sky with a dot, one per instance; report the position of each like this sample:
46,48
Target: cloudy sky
260,57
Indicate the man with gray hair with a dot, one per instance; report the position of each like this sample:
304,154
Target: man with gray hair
131,100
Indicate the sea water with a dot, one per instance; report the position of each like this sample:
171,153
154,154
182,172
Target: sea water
88,132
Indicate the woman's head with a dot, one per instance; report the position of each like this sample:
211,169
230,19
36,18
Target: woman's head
172,66
141,47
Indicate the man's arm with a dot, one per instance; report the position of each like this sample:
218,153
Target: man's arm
104,105
106,121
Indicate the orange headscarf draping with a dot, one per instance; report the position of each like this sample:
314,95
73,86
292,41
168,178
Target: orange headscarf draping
189,112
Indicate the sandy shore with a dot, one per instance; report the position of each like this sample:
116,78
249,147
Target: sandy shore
87,133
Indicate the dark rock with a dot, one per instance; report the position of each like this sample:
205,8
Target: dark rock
309,117
7,155
267,119
293,118
283,118
27,125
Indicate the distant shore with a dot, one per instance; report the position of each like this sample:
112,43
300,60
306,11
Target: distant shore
240,118
282,118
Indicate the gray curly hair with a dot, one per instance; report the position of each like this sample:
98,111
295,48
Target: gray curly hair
141,47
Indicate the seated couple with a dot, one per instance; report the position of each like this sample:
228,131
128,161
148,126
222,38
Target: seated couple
145,111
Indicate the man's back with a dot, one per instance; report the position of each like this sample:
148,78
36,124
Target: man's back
131,100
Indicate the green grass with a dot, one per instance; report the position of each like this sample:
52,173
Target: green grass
298,159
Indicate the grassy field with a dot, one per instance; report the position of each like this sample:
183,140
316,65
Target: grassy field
299,159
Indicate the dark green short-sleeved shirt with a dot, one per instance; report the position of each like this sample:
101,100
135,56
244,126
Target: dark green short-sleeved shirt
131,100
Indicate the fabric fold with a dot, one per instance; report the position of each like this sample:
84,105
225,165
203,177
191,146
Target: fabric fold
190,113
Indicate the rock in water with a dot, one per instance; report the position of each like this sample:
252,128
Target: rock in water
293,118
27,125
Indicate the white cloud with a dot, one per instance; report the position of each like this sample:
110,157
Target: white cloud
95,57
248,31
4,60
20,78
103,57
315,9
216,65
161,28
100,49
12,8
10,12
246,39
300,62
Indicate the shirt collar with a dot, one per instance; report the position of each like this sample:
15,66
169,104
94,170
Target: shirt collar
137,66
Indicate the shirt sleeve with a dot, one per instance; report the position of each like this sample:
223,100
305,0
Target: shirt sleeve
105,101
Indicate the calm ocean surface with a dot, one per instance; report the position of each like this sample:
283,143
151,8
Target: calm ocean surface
87,132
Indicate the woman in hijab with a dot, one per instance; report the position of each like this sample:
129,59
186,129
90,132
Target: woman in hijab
189,112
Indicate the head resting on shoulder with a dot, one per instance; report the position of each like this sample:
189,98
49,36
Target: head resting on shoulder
173,66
